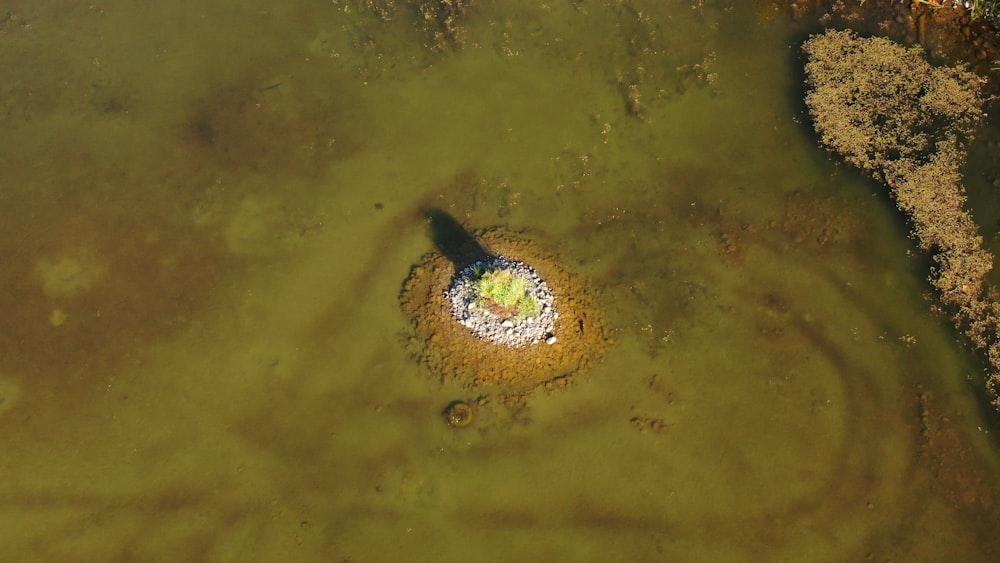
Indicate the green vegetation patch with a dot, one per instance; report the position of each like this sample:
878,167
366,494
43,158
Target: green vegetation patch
505,294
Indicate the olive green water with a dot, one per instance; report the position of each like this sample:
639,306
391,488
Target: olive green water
207,211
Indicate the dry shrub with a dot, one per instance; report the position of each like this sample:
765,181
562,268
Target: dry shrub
885,109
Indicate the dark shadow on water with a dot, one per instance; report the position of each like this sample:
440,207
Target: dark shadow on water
453,241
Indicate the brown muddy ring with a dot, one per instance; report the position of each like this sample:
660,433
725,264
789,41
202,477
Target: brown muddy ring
459,414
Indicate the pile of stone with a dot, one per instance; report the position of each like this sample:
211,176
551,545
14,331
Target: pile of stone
516,332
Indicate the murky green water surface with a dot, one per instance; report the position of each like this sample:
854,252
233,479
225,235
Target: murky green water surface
207,211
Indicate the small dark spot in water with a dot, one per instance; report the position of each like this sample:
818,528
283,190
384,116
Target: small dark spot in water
112,98
379,206
202,131
249,123
775,303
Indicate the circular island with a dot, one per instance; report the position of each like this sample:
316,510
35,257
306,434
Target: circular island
501,314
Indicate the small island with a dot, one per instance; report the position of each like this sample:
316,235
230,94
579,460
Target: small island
502,315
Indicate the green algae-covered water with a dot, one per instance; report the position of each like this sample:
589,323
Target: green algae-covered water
207,211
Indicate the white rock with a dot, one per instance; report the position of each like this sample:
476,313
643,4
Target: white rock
550,340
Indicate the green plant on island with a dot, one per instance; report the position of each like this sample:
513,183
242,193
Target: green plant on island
505,294
978,9
984,9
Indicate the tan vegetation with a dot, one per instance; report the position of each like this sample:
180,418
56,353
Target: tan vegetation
884,108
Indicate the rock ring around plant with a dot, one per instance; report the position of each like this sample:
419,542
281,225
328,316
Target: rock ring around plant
503,301
487,358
